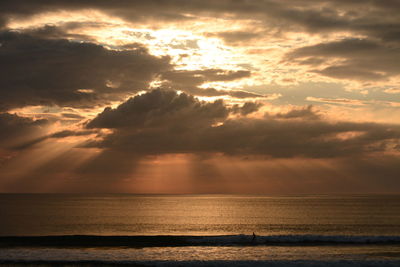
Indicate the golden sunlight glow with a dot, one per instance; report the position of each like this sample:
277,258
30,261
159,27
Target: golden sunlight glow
43,153
196,45
59,17
161,174
279,68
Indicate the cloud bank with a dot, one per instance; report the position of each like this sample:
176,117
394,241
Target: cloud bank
167,122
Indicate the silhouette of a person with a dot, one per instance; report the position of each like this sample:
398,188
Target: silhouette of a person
254,237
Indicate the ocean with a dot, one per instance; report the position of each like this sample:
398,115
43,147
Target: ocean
199,230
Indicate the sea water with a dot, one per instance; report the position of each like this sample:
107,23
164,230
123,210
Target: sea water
203,229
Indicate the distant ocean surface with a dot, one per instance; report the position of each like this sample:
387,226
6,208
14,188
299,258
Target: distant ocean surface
200,230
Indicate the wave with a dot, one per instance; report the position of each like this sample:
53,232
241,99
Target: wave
297,239
176,241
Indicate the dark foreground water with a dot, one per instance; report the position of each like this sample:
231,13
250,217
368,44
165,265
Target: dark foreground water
200,230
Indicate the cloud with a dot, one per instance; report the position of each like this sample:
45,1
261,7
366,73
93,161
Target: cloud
162,122
161,108
215,92
341,101
247,108
61,134
377,19
72,116
190,80
61,30
353,102
235,37
374,57
15,129
322,15
58,64
300,113
354,59
392,91
43,69
65,73
185,78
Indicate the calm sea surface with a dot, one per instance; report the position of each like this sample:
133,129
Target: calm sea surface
198,215
232,217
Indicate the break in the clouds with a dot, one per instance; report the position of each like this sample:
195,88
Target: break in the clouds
126,95
46,70
343,40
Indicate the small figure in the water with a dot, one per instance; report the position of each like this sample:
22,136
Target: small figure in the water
254,237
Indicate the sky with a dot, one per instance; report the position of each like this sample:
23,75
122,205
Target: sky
200,96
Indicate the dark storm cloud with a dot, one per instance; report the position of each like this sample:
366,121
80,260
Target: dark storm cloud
15,129
162,122
38,71
359,59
